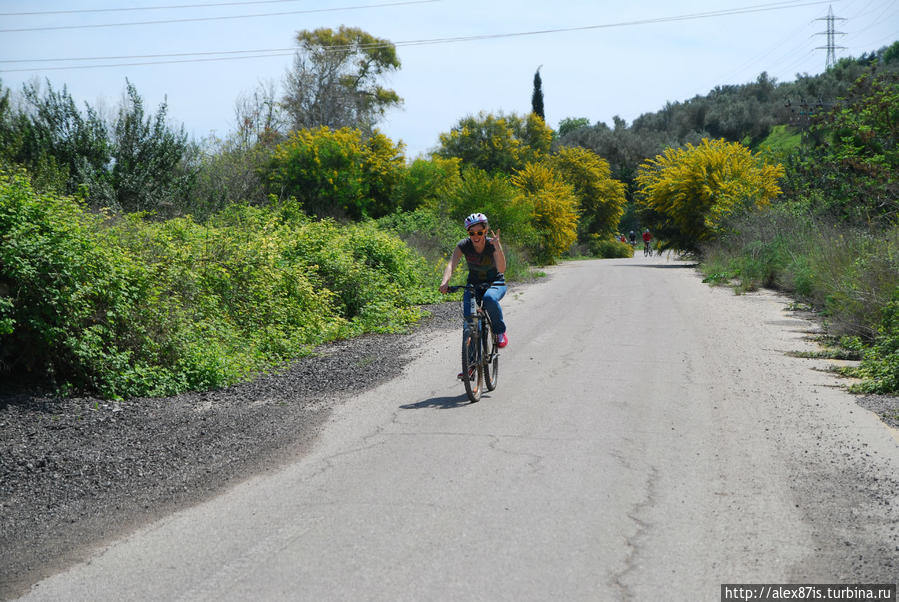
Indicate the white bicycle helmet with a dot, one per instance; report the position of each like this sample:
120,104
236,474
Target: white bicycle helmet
475,218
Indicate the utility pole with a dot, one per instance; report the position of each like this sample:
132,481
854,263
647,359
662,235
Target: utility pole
831,46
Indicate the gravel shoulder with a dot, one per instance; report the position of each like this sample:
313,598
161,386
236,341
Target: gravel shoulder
77,472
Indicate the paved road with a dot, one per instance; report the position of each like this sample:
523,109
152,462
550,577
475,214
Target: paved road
649,439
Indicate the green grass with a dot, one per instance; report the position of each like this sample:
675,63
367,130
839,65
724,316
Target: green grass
782,140
850,276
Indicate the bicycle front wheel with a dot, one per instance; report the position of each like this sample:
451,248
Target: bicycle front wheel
472,367
491,356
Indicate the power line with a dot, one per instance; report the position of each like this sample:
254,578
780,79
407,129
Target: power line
263,53
219,18
138,8
141,64
862,11
879,19
275,52
791,59
150,56
759,57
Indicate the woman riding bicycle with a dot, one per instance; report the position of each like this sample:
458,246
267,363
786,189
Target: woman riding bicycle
486,263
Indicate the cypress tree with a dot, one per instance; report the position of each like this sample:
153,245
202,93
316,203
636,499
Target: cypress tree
537,97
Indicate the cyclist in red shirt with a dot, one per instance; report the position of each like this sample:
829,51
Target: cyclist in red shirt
647,237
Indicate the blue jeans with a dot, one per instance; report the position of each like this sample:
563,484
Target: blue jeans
491,305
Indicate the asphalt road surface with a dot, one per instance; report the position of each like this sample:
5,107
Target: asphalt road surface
649,439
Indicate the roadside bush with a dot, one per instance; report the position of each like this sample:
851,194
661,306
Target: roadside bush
426,182
124,307
687,193
847,273
227,173
428,232
849,173
335,173
497,143
609,248
602,199
70,302
880,366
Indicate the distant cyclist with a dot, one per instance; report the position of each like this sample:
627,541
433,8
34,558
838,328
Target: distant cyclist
647,238
633,238
486,263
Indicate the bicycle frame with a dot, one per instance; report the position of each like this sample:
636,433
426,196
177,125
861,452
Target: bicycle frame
480,363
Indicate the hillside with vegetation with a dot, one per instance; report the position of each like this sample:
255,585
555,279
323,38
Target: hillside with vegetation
135,261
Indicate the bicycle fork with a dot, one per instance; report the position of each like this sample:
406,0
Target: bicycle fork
473,336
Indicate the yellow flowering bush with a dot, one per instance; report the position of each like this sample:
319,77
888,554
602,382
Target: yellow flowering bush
337,173
555,208
602,198
686,193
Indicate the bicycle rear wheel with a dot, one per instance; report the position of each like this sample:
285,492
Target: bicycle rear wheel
472,370
491,356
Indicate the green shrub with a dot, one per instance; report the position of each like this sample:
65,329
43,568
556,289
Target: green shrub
70,302
880,366
126,307
607,248
337,173
426,182
426,230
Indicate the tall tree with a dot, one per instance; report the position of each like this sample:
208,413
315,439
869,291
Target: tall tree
537,96
62,146
152,163
260,118
335,80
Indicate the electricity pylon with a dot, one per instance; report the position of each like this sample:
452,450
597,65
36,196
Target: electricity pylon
831,34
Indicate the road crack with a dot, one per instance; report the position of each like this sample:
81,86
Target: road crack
634,543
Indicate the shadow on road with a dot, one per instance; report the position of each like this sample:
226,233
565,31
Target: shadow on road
664,266
439,403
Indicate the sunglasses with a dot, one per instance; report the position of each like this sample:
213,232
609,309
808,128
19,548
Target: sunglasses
476,232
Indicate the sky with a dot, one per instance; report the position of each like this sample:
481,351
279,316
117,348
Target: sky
597,58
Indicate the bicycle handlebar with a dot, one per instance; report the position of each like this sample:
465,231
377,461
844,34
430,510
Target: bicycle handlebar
475,287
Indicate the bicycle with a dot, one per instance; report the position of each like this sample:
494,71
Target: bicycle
480,353
647,250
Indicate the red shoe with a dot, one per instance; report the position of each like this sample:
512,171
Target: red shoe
471,373
502,340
